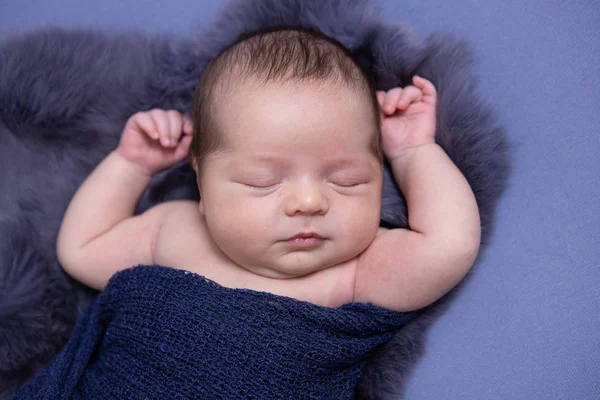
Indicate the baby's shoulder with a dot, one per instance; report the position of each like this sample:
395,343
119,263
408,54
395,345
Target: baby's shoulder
182,229
180,208
181,218
182,213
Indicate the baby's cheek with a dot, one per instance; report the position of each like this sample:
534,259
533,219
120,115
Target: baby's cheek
363,225
245,223
233,224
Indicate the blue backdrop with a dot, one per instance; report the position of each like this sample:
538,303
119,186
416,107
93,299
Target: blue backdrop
526,326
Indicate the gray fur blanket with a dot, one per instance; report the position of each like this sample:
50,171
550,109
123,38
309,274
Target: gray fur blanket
65,96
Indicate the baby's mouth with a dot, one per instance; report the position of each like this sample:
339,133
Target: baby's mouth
305,240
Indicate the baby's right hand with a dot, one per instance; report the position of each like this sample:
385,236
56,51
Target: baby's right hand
151,139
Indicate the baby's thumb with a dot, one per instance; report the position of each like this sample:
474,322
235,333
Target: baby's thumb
188,126
183,148
380,98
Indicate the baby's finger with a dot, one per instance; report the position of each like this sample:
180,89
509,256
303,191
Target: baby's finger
428,88
410,94
183,148
391,100
144,123
162,124
380,97
188,126
175,125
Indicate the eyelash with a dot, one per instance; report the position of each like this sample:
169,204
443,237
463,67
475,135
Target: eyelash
346,186
261,188
273,186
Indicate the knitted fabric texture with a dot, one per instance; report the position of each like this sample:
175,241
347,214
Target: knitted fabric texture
162,333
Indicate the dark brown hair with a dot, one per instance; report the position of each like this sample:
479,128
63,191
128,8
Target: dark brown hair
280,55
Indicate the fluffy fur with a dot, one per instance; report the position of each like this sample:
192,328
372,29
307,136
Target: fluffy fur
65,96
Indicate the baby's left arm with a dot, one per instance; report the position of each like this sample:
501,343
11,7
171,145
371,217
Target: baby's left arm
408,269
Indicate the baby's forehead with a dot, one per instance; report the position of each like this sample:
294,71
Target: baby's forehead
236,78
253,92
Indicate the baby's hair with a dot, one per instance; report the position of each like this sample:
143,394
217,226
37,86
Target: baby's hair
277,55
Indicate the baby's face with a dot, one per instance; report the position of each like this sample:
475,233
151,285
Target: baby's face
298,160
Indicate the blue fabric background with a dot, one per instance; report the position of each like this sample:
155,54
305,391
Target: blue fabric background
526,326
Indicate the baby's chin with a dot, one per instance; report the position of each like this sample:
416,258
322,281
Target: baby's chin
298,264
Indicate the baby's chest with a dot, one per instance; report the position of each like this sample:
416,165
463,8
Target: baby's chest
331,287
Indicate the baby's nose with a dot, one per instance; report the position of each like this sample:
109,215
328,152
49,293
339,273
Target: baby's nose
308,198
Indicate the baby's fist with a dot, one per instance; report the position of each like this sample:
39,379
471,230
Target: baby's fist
407,117
153,139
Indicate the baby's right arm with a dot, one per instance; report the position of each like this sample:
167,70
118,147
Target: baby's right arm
99,234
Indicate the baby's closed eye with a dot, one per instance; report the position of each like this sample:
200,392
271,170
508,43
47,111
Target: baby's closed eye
259,181
261,186
348,179
266,181
346,183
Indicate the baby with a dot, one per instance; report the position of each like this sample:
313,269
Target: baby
287,140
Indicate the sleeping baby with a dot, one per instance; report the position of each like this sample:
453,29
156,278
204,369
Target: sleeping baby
288,140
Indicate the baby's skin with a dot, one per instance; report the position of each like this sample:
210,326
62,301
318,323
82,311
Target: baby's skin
291,205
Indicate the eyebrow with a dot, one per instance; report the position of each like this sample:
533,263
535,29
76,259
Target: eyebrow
258,159
347,162
333,163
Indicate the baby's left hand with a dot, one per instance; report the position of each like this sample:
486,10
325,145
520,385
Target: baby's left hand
407,117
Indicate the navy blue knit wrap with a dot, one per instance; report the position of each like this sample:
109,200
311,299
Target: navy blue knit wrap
162,333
